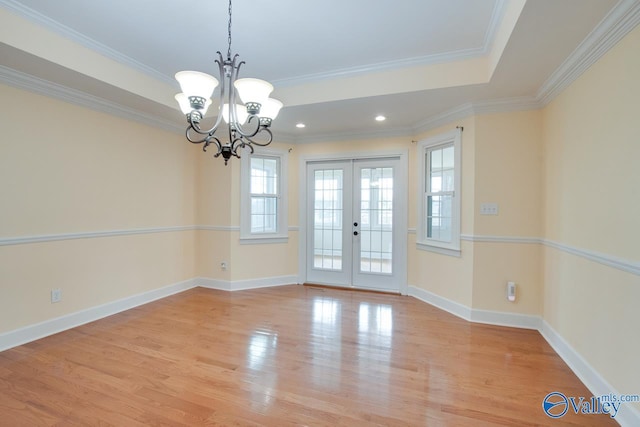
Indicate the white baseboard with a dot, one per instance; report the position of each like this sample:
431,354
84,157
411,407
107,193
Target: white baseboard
513,320
49,327
442,303
242,285
500,318
53,326
597,385
628,415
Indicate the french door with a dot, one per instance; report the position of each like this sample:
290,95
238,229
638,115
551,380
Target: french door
353,237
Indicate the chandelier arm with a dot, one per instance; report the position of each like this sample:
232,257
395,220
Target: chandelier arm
194,126
262,144
213,129
233,76
216,142
233,114
252,133
240,142
192,140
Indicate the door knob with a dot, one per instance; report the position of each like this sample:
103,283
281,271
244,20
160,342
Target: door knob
355,233
355,224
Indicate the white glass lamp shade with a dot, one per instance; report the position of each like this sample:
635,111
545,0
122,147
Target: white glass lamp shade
185,105
270,108
253,90
241,112
183,102
195,83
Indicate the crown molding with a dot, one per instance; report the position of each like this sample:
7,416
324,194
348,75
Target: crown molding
506,105
459,55
618,23
40,86
433,59
623,18
496,18
71,34
354,136
435,121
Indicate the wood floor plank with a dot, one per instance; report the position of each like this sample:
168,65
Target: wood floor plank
285,356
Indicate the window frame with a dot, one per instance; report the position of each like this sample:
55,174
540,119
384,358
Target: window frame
425,146
282,231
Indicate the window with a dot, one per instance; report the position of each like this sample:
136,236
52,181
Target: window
439,199
264,202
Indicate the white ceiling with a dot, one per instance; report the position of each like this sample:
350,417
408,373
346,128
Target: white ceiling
335,64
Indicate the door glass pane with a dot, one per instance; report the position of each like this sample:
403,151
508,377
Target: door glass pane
376,220
327,213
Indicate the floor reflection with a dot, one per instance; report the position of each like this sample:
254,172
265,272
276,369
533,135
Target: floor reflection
326,342
375,333
261,358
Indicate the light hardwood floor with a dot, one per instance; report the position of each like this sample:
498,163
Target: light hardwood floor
291,355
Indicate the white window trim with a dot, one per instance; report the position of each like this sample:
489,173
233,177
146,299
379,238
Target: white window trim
282,235
422,241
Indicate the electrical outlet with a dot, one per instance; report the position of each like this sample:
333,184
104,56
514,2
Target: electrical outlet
56,295
223,265
488,209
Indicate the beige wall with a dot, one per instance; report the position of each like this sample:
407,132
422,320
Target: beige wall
592,194
66,169
446,276
218,205
508,171
567,173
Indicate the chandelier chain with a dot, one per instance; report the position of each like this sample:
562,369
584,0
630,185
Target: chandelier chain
229,32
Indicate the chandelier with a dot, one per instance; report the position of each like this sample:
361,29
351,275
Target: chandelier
245,120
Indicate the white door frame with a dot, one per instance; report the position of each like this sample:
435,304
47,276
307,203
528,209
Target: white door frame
401,194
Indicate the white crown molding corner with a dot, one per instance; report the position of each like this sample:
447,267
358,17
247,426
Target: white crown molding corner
496,18
49,327
71,34
507,105
628,415
433,59
354,136
623,18
34,84
435,121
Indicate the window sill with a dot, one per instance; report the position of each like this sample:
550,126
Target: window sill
439,250
263,240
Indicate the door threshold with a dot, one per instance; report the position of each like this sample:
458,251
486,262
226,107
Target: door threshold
348,288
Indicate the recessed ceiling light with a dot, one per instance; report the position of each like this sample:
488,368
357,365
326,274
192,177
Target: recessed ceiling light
301,125
380,118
